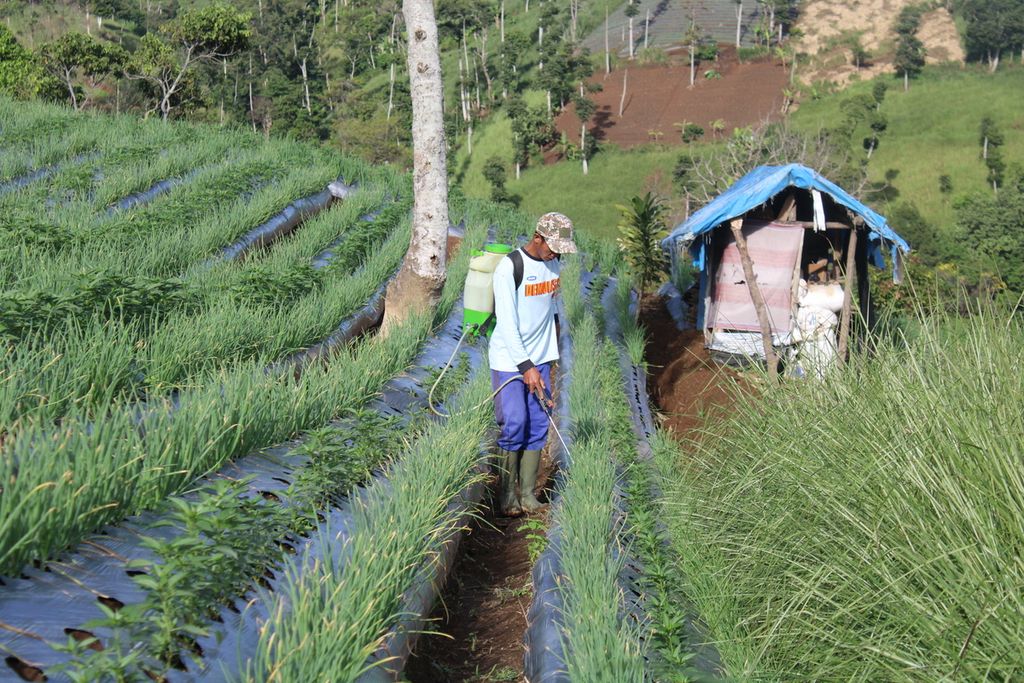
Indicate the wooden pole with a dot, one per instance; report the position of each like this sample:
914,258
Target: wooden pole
851,264
770,356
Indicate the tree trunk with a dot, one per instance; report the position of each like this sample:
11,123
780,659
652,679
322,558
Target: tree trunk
647,27
502,26
771,359
984,148
607,50
71,89
417,287
391,91
906,81
305,85
739,21
631,37
583,147
622,100
693,63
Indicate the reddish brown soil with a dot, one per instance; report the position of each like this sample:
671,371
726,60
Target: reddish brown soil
688,387
452,246
657,97
481,620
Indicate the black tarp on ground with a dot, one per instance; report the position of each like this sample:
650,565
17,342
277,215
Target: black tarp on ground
35,609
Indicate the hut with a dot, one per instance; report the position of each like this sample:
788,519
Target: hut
782,257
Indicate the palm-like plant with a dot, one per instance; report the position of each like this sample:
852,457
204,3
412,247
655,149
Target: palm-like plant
642,228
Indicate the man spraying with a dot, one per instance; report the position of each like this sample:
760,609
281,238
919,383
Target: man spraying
525,342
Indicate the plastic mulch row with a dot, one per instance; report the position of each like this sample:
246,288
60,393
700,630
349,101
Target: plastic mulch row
287,220
706,662
544,659
42,605
44,172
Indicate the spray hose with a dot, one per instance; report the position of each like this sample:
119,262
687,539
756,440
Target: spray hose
430,397
543,397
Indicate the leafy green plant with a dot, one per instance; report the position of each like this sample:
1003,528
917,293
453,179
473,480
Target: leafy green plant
536,540
642,228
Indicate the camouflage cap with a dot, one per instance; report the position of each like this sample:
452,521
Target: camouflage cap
556,229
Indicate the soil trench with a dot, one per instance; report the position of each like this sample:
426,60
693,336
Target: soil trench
476,631
688,387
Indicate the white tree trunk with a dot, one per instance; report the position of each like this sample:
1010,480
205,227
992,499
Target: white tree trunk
305,84
391,91
622,100
583,147
631,37
693,63
647,27
418,285
739,20
607,50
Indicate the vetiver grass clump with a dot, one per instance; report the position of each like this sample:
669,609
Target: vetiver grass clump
868,527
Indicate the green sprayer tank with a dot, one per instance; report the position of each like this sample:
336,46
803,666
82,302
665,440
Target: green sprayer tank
478,297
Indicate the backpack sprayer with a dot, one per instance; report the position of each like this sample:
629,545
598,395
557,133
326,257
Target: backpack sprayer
478,318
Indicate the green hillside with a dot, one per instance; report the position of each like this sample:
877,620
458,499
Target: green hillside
615,176
933,130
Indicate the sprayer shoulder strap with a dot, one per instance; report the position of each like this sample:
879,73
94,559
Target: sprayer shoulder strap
517,267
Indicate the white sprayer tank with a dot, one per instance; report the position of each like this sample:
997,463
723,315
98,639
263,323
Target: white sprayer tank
478,296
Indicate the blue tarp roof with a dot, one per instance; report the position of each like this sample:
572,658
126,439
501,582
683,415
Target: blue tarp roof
763,183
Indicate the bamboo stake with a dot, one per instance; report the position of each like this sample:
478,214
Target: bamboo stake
844,329
770,356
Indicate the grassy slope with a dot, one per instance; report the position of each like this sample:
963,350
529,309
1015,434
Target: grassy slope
590,200
933,130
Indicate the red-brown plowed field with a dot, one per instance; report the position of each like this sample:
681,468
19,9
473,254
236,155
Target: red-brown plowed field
657,97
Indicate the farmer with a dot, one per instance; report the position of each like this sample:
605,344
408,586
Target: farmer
525,343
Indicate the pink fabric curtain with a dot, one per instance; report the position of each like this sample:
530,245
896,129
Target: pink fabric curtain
774,248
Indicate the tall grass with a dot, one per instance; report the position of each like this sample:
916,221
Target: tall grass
867,527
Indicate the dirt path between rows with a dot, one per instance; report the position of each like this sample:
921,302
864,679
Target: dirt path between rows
477,629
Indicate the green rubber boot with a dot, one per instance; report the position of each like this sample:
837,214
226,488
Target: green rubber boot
508,469
528,466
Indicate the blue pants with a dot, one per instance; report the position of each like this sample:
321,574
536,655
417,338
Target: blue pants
521,418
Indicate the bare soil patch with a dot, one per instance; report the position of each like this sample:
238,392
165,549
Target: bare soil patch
688,387
660,96
826,24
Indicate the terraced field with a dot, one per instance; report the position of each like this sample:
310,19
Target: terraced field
212,467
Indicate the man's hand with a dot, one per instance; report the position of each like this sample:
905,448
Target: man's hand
534,382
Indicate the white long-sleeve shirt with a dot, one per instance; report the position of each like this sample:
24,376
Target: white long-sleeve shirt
524,333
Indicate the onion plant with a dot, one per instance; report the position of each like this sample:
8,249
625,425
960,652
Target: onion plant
92,472
599,644
868,526
335,612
